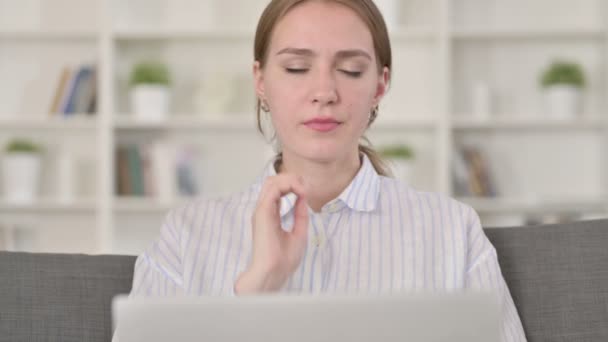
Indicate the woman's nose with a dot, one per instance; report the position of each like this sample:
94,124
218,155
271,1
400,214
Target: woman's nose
325,91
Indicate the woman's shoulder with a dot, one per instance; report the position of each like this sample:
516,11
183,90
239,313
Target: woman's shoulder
207,204
432,209
428,200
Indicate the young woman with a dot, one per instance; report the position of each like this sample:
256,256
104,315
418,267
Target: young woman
323,217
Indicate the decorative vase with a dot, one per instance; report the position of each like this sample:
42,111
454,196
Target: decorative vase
21,176
563,102
150,102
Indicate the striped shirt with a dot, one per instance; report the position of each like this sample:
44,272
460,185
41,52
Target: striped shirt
378,236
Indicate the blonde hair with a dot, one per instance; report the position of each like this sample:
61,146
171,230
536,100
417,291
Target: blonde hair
367,10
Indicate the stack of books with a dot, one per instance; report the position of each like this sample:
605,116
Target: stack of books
156,170
76,91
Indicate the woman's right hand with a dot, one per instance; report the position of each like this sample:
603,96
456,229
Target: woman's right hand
277,253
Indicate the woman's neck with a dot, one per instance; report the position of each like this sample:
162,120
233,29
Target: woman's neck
324,181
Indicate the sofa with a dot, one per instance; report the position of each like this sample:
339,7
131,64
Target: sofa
557,274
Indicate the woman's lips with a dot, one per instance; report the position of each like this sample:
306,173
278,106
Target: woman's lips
322,125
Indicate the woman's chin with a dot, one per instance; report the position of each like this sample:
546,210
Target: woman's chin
321,151
325,154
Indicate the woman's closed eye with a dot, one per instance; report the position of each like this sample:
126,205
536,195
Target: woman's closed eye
296,70
354,74
350,73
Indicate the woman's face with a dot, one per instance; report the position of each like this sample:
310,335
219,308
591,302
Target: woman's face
320,80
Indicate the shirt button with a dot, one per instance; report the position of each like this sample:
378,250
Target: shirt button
333,207
318,240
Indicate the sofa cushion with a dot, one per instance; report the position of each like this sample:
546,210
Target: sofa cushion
60,297
558,277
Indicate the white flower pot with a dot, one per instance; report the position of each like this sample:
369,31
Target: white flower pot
150,102
390,12
20,176
563,102
402,169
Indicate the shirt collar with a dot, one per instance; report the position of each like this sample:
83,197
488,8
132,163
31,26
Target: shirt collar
360,195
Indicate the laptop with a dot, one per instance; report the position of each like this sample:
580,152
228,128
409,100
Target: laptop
415,317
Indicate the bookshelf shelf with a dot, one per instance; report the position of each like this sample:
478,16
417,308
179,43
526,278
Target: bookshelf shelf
50,206
47,35
423,122
493,34
124,35
138,205
78,122
540,124
530,206
189,122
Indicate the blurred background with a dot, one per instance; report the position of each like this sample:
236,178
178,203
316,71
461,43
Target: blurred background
112,112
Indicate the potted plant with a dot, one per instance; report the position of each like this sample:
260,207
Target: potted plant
21,171
150,93
399,158
562,83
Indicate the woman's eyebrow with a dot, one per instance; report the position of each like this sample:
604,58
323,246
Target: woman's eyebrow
342,54
353,53
296,51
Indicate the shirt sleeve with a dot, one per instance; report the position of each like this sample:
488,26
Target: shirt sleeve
483,273
158,270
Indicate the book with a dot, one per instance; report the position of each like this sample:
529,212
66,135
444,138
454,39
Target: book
186,173
60,89
147,171
76,91
85,91
135,172
460,174
91,103
123,180
472,173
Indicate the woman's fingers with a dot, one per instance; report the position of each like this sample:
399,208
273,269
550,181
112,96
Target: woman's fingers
300,228
276,187
276,253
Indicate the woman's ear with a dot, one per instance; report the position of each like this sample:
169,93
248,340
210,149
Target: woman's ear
258,80
383,84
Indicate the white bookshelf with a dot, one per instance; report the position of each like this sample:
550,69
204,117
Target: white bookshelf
439,50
